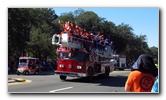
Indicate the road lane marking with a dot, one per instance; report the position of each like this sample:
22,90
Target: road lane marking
117,72
61,89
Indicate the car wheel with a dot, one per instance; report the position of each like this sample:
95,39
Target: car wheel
18,73
36,72
26,72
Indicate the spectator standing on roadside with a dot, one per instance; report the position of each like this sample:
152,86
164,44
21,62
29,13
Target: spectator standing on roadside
54,64
142,76
50,65
155,86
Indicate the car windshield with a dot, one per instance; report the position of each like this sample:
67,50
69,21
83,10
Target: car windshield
23,60
22,64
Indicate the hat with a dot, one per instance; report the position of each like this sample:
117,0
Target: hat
145,64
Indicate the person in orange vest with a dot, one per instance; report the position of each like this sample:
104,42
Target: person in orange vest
142,75
77,29
63,25
102,42
67,27
71,29
64,29
91,39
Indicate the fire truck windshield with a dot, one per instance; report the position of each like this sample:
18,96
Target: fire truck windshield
63,55
73,56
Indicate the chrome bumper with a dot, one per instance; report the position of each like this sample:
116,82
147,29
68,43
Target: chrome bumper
71,74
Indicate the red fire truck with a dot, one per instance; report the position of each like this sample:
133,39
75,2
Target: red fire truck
78,60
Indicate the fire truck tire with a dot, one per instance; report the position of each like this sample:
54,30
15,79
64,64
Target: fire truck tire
90,74
62,77
121,69
107,71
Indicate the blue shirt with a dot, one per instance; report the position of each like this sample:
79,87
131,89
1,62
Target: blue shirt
155,86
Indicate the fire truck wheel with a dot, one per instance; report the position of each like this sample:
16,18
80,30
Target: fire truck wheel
121,69
62,77
90,74
106,74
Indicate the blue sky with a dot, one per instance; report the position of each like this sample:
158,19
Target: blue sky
144,21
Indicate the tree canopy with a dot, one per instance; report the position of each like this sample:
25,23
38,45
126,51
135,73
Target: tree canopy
30,31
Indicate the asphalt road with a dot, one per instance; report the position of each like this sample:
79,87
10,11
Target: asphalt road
52,84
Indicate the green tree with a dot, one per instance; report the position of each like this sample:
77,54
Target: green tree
19,25
30,30
122,37
154,53
41,34
89,21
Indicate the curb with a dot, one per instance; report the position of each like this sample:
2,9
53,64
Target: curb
19,79
12,80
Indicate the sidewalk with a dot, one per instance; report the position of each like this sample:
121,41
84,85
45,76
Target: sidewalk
12,80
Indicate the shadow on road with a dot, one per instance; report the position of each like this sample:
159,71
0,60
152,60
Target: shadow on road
44,73
115,81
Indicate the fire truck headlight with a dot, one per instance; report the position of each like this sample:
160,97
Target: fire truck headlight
61,66
70,66
79,67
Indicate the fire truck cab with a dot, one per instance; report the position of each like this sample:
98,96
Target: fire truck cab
78,63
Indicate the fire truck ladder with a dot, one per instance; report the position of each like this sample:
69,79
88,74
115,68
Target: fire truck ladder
79,43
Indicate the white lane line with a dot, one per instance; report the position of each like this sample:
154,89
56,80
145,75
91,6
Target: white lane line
61,89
